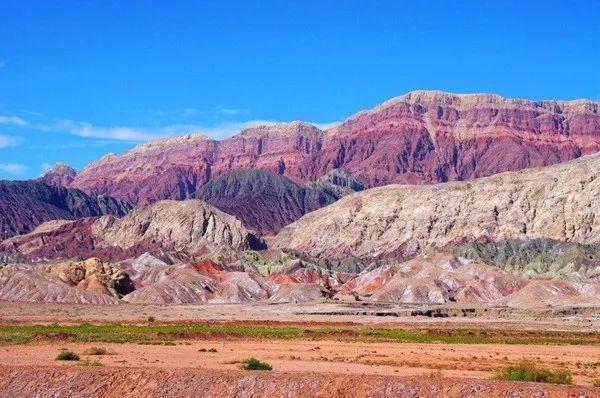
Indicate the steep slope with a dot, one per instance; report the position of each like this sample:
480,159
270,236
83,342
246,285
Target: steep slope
27,204
24,283
559,202
189,226
60,175
431,136
174,168
267,201
421,137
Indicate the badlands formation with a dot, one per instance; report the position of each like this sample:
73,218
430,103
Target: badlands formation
353,260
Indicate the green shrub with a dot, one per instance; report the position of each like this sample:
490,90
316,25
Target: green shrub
255,364
67,356
528,371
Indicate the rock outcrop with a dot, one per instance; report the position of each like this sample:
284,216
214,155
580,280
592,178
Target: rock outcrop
267,201
190,226
559,202
440,278
421,137
32,284
60,175
27,204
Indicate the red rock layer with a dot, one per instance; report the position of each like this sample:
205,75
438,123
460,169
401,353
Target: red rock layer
421,137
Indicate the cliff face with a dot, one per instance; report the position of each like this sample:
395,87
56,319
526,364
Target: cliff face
27,204
189,226
419,138
175,168
558,203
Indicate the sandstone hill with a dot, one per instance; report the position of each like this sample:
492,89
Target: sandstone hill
421,137
27,204
267,201
557,203
190,226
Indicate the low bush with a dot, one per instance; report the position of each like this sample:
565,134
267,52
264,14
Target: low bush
67,356
255,364
529,371
88,362
96,351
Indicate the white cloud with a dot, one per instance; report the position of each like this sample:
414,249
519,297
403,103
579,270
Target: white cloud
13,168
140,134
8,141
13,120
88,130
45,167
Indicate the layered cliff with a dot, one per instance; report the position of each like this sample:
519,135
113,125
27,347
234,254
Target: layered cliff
422,137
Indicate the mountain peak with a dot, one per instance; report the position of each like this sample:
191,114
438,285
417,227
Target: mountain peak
60,174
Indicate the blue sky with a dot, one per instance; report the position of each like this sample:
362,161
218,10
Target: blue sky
79,79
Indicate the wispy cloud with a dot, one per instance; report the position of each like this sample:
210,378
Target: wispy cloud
228,111
8,141
13,121
218,130
13,168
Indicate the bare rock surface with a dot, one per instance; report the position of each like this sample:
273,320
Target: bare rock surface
267,201
189,226
440,278
25,283
61,175
27,204
558,202
421,137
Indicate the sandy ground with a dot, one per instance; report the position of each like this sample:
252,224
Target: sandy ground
587,319
301,367
299,356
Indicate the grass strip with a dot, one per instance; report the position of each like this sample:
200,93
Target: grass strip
168,333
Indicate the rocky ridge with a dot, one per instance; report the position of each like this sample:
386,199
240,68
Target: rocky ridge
189,226
60,175
267,201
418,138
559,203
27,204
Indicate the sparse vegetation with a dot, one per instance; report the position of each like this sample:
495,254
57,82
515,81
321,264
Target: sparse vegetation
67,356
151,319
89,362
529,371
597,382
255,364
96,351
207,350
166,334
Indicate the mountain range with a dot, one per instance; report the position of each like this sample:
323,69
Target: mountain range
493,199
